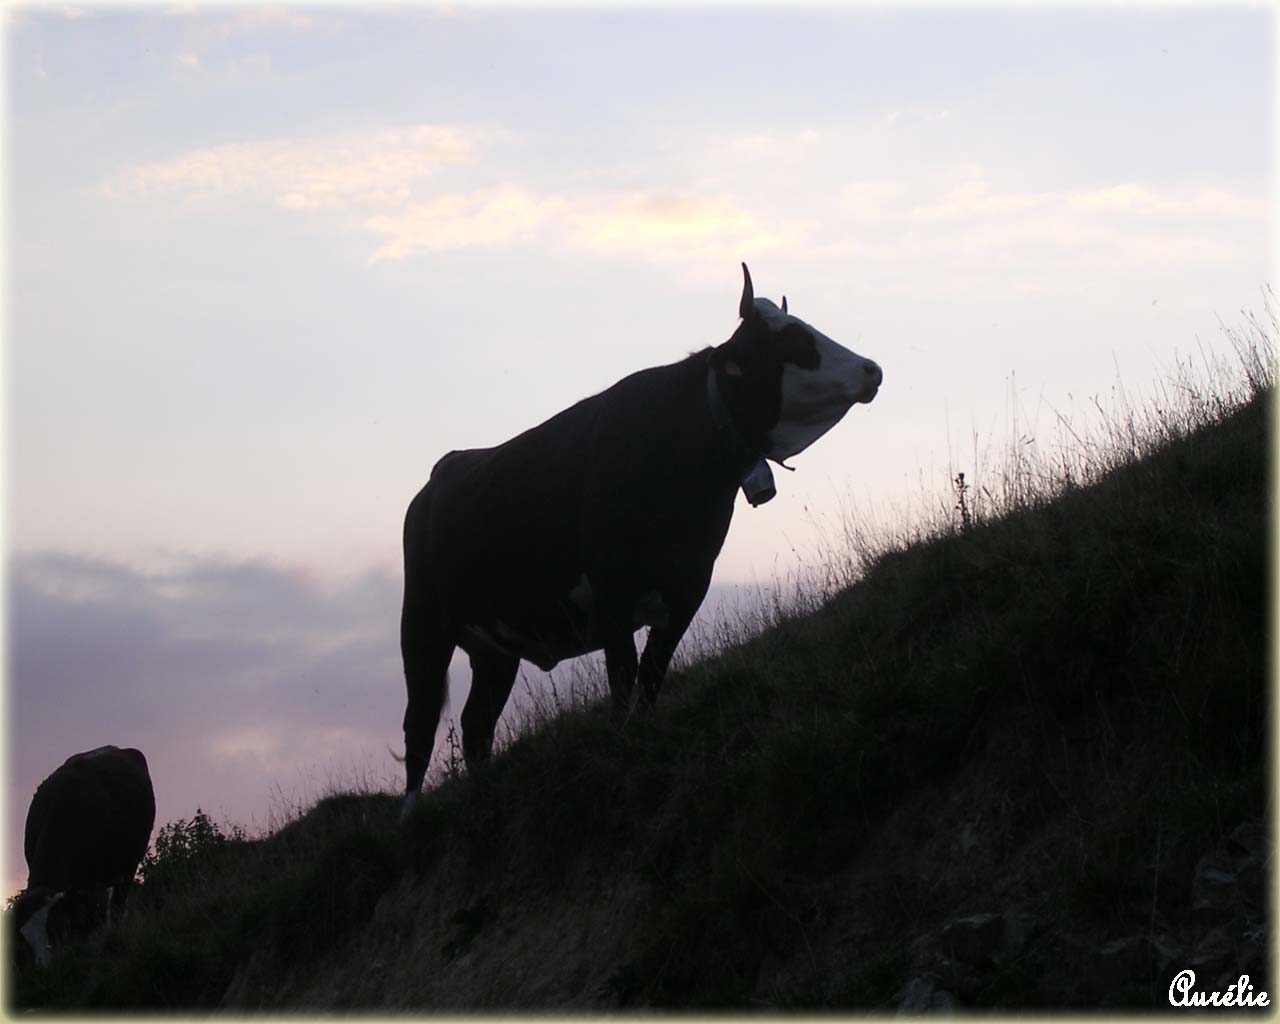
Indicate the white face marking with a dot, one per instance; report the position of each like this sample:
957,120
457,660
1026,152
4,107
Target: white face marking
814,401
36,932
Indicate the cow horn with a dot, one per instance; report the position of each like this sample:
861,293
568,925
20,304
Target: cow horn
784,303
747,306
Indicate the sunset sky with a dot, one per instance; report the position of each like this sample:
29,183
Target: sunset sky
263,266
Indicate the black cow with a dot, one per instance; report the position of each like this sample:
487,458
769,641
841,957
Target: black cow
607,517
87,831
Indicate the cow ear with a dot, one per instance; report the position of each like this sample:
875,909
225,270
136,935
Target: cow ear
784,303
746,308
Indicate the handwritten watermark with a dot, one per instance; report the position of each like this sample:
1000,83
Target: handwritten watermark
1181,993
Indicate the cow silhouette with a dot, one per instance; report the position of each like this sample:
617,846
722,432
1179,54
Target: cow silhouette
87,831
607,517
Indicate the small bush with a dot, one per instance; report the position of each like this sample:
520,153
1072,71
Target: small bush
183,848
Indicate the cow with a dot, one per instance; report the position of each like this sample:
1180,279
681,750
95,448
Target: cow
87,831
605,518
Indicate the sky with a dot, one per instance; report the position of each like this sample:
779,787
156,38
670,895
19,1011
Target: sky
264,265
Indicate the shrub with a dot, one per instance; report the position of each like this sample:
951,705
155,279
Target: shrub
182,846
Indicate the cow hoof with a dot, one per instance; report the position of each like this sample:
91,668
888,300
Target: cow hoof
406,808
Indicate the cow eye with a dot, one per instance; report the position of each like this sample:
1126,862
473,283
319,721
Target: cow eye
799,347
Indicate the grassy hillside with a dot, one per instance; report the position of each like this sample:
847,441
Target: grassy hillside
1019,763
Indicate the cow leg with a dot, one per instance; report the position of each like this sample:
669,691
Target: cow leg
663,640
118,901
492,676
620,661
658,651
426,647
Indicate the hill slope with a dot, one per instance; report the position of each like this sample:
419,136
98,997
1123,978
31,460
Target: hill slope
1023,765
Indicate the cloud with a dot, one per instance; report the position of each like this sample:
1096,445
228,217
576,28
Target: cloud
960,233
334,173
209,628
680,226
268,17
494,216
870,199
383,179
976,199
1129,198
228,675
249,66
774,145
399,186
656,225
913,225
214,38
244,20
645,219
257,743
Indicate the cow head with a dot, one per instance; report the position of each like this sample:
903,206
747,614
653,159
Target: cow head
44,919
786,383
30,924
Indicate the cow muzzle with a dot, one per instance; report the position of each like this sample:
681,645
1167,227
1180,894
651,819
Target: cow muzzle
872,377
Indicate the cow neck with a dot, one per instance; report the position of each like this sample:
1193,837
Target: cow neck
749,465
